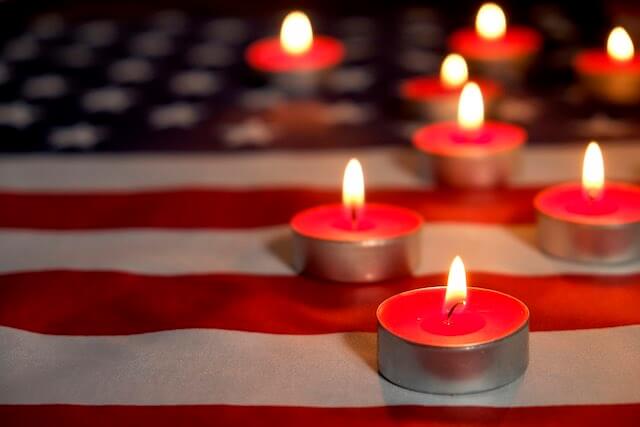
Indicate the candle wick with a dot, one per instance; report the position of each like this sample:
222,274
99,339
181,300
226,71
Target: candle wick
451,310
354,217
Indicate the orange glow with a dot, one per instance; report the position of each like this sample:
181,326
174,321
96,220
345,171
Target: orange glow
456,285
593,171
453,72
296,35
471,107
619,45
353,188
491,24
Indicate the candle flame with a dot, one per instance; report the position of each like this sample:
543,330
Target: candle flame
453,72
353,188
456,285
593,171
296,35
491,23
619,45
470,107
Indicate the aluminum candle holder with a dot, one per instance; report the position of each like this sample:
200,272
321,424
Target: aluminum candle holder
495,50
608,234
325,249
490,349
612,76
595,221
296,62
356,241
436,97
471,153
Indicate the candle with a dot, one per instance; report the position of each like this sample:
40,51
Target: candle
356,241
471,153
436,97
452,340
296,59
495,50
592,222
612,76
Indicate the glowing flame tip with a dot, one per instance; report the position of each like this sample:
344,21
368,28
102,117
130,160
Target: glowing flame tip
296,35
454,71
353,186
491,22
619,45
471,107
593,171
456,285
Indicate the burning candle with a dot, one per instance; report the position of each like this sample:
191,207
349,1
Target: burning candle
494,49
471,153
452,340
436,97
297,58
612,76
356,241
592,222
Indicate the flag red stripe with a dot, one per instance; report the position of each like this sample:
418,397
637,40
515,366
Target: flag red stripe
222,415
113,303
237,209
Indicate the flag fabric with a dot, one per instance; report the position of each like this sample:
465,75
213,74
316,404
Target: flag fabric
146,184
157,289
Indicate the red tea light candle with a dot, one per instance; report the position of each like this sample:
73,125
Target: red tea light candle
452,340
612,76
593,222
493,49
297,59
356,241
436,98
471,153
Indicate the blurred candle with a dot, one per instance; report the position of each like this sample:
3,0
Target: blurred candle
297,58
436,97
495,49
612,76
470,153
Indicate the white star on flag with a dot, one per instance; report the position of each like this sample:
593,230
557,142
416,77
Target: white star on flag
176,115
131,70
97,33
82,135
251,132
195,83
348,113
601,125
152,44
107,99
47,86
17,114
21,49
351,79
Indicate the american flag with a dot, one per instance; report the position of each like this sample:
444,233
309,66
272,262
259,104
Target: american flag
156,288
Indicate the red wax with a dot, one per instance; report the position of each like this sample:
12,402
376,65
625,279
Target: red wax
431,88
596,61
517,42
418,316
331,222
267,55
619,204
449,139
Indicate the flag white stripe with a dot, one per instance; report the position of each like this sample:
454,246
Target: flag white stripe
265,251
384,167
195,366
